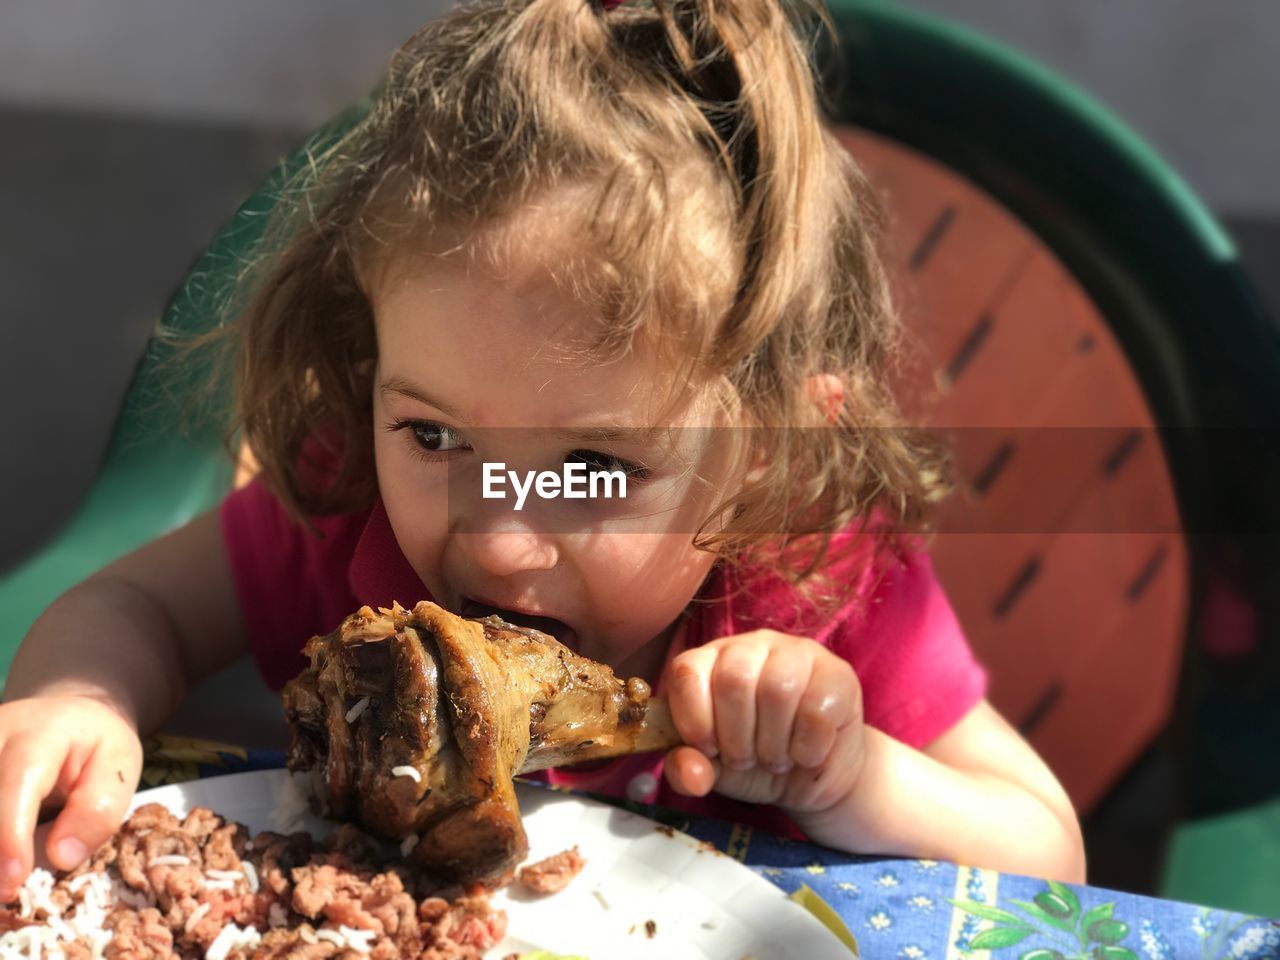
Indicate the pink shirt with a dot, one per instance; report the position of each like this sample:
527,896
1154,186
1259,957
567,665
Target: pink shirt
897,629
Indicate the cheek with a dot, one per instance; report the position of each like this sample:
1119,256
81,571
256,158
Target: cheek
412,495
661,572
395,479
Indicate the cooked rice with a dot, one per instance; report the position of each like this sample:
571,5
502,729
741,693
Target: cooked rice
357,940
250,874
84,920
200,907
197,915
171,860
360,707
231,938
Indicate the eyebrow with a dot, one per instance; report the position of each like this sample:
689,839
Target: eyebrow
603,434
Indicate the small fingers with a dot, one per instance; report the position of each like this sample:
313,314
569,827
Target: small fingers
783,681
688,689
95,805
735,680
690,772
26,777
832,700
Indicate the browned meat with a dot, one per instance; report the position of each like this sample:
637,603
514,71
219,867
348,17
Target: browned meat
140,935
352,842
552,874
317,887
466,922
286,945
329,904
225,847
279,856
200,823
161,856
461,706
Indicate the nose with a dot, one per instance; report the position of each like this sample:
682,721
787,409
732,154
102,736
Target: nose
507,547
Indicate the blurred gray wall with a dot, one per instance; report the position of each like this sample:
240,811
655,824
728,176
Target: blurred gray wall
272,63
131,128
1198,79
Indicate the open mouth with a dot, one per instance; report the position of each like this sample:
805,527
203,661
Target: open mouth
474,610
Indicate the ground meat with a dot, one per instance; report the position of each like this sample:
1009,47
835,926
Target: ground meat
258,909
552,874
132,861
61,898
389,904
221,910
151,816
354,843
467,921
286,945
172,881
343,895
139,935
225,847
305,894
160,837
432,909
316,887
102,858
276,855
200,823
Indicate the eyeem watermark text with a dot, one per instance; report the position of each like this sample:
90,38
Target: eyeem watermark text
576,481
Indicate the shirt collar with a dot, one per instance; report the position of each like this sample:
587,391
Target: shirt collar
379,572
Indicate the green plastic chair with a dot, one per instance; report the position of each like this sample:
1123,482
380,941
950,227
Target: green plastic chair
1230,861
1128,228
1169,282
160,470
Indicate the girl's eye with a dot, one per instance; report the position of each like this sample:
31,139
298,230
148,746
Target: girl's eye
436,437
430,436
607,463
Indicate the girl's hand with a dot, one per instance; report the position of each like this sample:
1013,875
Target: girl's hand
65,747
769,718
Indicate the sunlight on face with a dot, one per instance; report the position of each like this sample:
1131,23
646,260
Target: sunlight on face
471,371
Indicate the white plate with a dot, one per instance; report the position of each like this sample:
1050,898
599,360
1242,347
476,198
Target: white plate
705,906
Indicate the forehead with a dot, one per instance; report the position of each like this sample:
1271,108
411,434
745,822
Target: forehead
515,350
666,267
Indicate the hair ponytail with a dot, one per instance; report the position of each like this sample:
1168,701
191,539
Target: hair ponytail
744,62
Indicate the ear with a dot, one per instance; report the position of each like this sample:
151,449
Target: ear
759,464
827,391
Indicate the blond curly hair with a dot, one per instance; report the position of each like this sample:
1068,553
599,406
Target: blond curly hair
710,203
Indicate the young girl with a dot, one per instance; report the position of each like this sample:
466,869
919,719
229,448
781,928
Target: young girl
571,233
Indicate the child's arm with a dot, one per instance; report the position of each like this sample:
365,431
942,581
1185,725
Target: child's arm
978,795
784,716
110,658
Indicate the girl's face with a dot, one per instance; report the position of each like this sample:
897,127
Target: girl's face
471,372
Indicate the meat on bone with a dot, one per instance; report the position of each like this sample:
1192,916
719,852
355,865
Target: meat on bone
466,705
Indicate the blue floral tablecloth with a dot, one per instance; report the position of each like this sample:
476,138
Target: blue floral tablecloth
907,909
929,910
